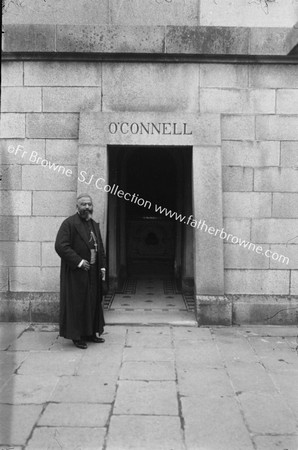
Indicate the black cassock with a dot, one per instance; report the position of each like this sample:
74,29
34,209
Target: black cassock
81,312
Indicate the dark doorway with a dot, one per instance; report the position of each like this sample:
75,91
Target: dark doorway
145,235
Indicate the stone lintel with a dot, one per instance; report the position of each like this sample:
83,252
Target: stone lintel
169,40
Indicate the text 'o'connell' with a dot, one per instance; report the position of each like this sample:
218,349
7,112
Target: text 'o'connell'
163,128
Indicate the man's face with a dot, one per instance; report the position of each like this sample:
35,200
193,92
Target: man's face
85,207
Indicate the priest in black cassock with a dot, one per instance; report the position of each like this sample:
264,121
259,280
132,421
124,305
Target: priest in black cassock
79,245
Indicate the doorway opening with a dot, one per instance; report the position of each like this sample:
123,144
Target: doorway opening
149,203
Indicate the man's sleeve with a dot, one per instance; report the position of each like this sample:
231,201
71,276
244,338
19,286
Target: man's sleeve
63,246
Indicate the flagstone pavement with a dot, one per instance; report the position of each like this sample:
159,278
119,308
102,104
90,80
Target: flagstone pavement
149,388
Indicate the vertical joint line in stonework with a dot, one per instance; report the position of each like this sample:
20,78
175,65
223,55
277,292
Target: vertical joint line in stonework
101,88
179,403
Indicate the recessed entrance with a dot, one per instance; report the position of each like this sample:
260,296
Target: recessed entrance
147,236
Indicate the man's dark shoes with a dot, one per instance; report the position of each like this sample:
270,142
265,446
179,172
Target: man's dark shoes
80,344
94,338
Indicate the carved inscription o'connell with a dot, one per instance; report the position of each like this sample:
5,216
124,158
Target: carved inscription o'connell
162,128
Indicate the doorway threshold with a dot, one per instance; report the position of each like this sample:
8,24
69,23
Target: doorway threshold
146,318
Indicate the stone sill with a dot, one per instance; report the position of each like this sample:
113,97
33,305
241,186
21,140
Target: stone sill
169,41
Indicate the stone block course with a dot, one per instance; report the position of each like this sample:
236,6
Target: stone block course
62,151
39,228
287,101
20,254
274,231
12,73
237,257
286,256
277,128
3,279
237,179
150,87
251,153
289,154
242,204
257,282
238,227
50,125
49,257
42,178
18,151
276,179
69,99
274,39
11,177
34,279
19,203
235,101
273,76
9,228
59,73
54,203
223,75
29,38
21,99
238,127
12,125
285,205
82,38
294,282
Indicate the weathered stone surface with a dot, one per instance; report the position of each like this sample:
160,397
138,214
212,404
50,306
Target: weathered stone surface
11,416
237,227
294,282
20,254
64,152
208,261
241,13
276,179
44,178
18,151
148,354
55,203
238,127
237,179
273,76
57,12
142,371
31,340
207,40
86,389
82,415
149,12
39,228
152,87
35,279
279,127
246,204
275,442
12,125
249,376
257,282
52,125
213,310
71,38
203,382
58,73
174,129
68,437
24,389
223,75
145,432
50,363
29,38
147,397
69,99
251,153
19,202
285,205
289,154
275,231
237,257
3,279
253,101
287,100
8,334
199,424
149,338
12,73
285,257
10,177
11,309
271,41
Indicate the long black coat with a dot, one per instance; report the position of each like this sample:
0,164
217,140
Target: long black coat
72,246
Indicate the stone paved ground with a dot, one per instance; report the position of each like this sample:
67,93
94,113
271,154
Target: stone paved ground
157,388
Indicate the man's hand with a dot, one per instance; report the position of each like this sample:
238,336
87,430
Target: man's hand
85,265
103,274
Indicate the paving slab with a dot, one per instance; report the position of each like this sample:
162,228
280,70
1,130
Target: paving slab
9,363
67,438
235,349
147,397
250,377
206,354
30,340
276,442
196,381
145,433
55,363
16,423
214,424
148,370
148,354
28,389
84,389
75,415
9,332
191,334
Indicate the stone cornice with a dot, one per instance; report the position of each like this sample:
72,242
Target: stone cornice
146,42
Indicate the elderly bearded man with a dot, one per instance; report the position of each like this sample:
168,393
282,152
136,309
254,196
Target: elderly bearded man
79,245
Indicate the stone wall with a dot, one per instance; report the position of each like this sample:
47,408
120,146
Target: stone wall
41,102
